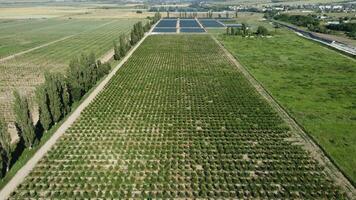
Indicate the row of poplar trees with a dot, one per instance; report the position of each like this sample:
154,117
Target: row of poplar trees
54,98
136,35
57,94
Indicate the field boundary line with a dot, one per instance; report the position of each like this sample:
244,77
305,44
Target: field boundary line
308,143
201,25
21,174
35,48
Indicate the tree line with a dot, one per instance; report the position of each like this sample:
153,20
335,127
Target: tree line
125,43
244,31
55,97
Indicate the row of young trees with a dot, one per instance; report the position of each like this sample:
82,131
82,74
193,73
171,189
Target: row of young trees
57,94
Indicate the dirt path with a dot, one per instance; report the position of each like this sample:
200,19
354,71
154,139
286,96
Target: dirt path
49,43
106,57
201,25
300,136
35,48
27,168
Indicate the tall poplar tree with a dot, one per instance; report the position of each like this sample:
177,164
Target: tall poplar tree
5,142
43,106
24,120
55,104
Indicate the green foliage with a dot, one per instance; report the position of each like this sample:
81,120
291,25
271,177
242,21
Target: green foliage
147,26
54,92
116,51
299,20
243,30
1,165
103,69
318,28
351,34
136,33
261,30
82,75
314,84
124,46
45,116
156,17
178,111
24,121
6,148
347,27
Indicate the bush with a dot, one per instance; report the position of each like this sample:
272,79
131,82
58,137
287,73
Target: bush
261,30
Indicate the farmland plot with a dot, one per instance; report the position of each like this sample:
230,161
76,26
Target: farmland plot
21,35
178,120
26,71
316,85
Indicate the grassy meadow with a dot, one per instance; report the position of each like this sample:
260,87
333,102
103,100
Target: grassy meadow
315,84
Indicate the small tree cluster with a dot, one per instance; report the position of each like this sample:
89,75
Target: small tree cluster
261,30
122,48
56,95
136,33
53,100
242,30
83,73
156,18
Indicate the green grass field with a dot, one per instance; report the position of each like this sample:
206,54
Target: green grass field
315,84
26,71
178,120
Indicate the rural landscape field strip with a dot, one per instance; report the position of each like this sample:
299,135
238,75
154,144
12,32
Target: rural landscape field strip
31,163
33,49
178,120
316,86
26,71
300,136
38,32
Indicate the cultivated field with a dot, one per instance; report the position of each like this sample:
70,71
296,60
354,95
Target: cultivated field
92,11
315,84
178,121
20,35
71,38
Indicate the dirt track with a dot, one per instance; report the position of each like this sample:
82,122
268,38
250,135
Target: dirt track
34,48
27,168
106,57
47,44
300,136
